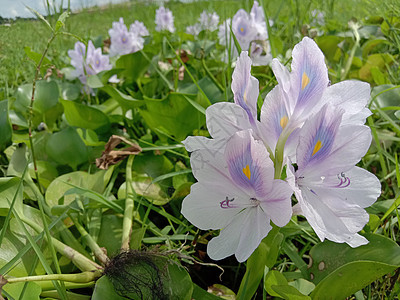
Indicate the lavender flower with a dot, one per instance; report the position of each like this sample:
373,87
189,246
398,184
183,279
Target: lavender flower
88,61
124,41
139,29
237,193
332,193
209,21
164,20
194,29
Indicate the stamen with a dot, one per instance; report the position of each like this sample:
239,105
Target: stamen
305,80
317,147
226,203
344,181
241,29
247,172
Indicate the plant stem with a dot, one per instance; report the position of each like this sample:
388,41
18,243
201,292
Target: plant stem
81,261
83,277
129,206
100,255
37,72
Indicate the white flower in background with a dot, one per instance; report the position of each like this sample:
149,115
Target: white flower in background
194,29
260,54
164,20
318,17
258,18
237,193
209,21
122,40
138,28
244,29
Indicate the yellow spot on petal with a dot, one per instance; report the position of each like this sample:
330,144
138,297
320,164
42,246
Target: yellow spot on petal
317,147
241,29
305,80
283,122
124,39
246,171
97,62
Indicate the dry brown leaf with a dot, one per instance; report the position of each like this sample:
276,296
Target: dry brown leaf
111,156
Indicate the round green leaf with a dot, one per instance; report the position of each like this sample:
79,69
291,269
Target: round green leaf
67,148
80,115
334,265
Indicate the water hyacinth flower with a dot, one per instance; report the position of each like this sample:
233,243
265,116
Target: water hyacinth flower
164,20
260,54
124,41
88,61
193,29
244,29
331,192
237,193
209,21
258,18
303,92
138,28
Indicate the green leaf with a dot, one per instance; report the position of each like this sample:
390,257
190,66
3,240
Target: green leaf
61,20
46,96
57,189
84,116
67,148
276,285
144,186
37,14
126,101
5,126
200,294
36,58
289,292
9,190
94,82
134,64
105,290
31,290
334,266
173,114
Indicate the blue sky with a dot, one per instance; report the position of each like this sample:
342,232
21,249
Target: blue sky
16,8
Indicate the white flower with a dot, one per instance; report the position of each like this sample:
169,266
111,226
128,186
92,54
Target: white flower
237,193
164,20
124,41
209,21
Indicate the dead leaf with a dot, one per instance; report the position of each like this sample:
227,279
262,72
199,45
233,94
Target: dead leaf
111,156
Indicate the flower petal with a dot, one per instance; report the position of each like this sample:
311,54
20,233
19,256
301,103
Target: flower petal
224,119
350,95
309,77
203,208
317,138
333,218
357,186
244,86
277,203
249,164
242,236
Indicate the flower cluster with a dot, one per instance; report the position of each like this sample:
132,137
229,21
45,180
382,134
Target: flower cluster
207,21
251,33
309,130
87,61
124,41
164,20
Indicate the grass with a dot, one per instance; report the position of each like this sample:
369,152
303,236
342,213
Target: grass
94,24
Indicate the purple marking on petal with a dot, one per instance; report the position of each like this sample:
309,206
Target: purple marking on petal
227,203
344,181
